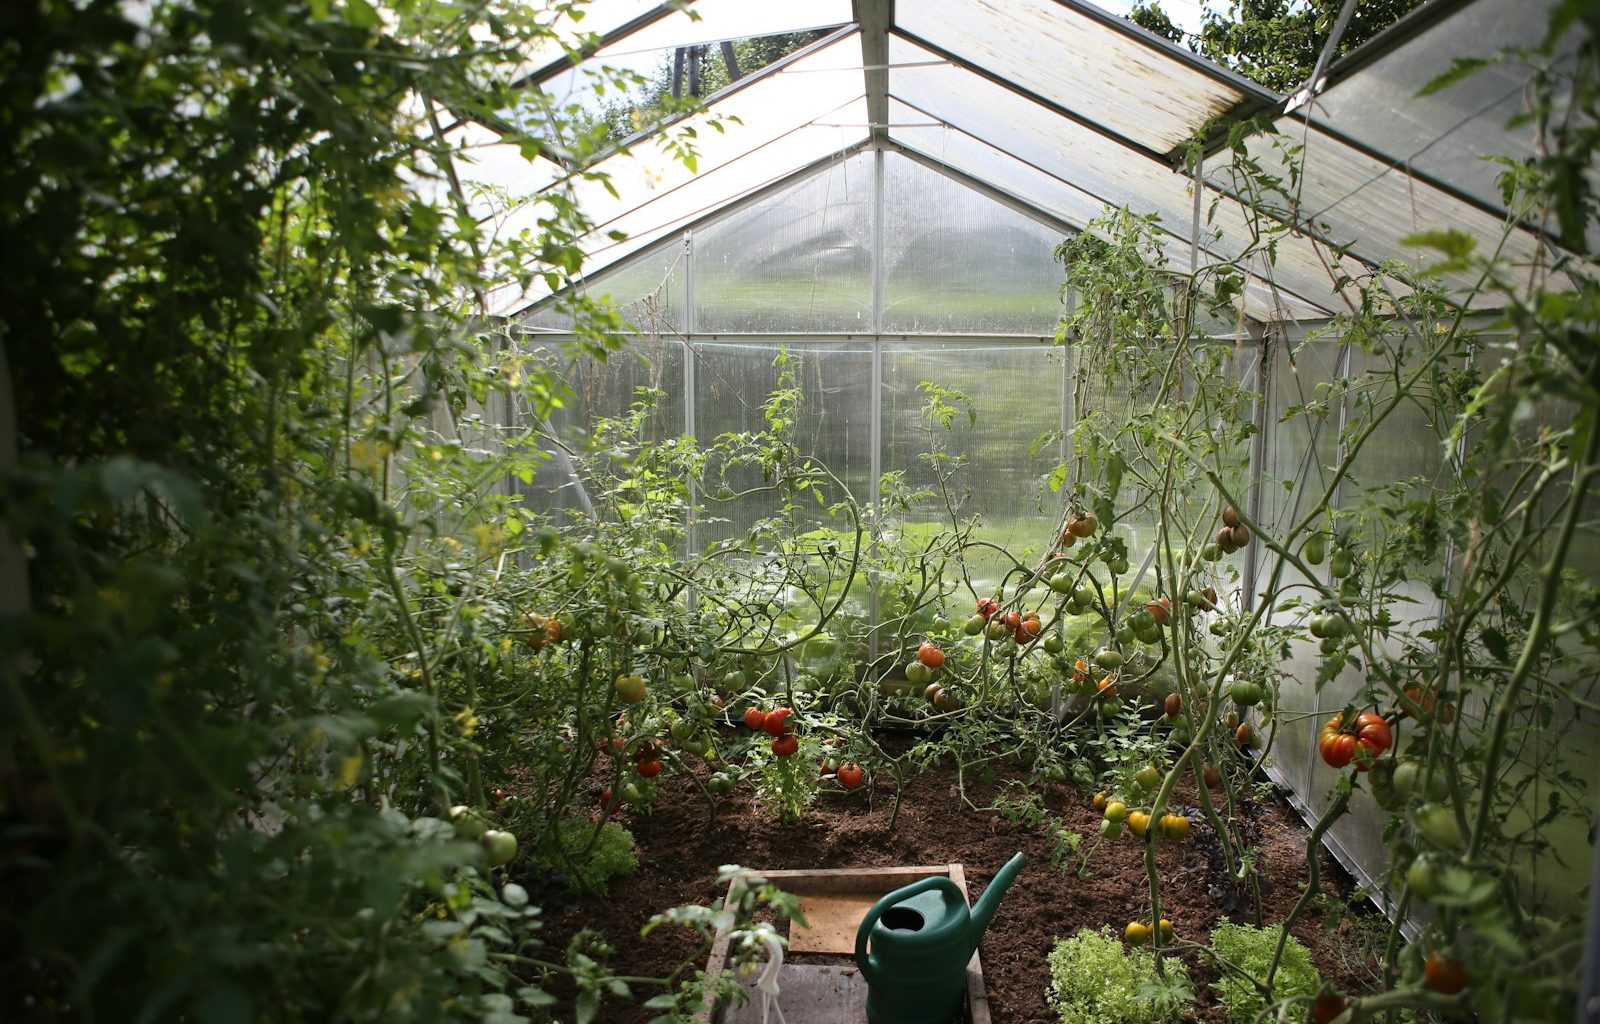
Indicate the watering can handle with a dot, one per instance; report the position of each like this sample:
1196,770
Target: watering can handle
869,963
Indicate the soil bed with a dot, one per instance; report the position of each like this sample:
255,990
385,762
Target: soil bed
680,851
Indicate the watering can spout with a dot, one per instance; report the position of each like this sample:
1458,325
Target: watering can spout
989,902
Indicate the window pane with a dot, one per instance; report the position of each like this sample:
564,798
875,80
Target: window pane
956,261
796,261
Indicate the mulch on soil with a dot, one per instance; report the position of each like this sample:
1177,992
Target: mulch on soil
680,850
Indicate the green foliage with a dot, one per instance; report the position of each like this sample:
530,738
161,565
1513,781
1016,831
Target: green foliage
590,855
1250,950
1275,42
1095,979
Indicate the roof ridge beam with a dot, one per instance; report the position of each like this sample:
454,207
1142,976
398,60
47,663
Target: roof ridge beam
875,17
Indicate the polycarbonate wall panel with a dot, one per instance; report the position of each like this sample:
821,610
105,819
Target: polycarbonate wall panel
599,390
957,262
648,292
1127,84
1016,391
800,260
833,425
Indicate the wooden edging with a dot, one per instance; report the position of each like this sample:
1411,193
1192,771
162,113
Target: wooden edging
870,880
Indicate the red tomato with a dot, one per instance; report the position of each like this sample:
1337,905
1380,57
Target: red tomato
1444,975
777,722
649,769
1362,744
786,745
1327,1007
609,802
1028,630
987,607
755,718
849,775
930,655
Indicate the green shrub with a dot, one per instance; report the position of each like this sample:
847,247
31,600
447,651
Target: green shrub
612,856
1095,979
1250,949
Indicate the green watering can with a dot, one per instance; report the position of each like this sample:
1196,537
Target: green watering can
922,937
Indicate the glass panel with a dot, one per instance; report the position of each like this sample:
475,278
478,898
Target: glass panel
595,18
1126,84
956,261
800,260
648,292
1016,392
732,381
711,21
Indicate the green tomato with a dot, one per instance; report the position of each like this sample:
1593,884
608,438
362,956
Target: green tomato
974,625
1053,644
1148,777
1112,707
500,846
469,823
941,624
1061,583
1423,876
1211,552
1110,829
1437,824
918,673
1340,565
1118,566
1404,779
720,783
1316,549
1108,658
699,744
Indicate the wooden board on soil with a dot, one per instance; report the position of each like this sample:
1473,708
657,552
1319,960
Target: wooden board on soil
835,993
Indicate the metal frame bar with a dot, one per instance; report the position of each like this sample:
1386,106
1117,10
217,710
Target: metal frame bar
875,17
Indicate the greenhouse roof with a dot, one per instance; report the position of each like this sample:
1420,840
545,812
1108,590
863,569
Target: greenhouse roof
1056,107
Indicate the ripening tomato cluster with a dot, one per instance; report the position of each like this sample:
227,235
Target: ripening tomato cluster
1362,742
775,723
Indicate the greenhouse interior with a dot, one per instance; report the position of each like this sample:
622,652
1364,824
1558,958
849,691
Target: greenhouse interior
520,510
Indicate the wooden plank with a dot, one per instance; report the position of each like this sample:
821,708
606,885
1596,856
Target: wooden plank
809,994
832,919
977,995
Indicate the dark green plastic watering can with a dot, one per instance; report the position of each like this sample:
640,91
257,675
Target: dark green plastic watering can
922,937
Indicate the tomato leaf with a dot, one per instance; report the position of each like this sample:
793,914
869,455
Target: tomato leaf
587,1005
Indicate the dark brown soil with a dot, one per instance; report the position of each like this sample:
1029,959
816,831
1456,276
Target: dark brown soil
680,850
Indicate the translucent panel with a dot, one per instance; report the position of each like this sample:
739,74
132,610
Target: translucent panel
731,384
710,21
1033,187
648,292
1448,133
1373,206
594,18
1017,392
800,260
1131,85
773,138
956,261
495,174
602,390
1099,167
